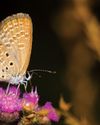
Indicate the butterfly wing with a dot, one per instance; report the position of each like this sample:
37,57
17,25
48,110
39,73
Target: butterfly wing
15,45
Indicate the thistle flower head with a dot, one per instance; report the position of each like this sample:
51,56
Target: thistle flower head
10,102
52,114
30,100
2,92
40,114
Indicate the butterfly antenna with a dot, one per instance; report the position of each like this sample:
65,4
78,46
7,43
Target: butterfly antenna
42,70
34,72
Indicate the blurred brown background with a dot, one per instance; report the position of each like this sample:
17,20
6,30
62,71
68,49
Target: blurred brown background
65,40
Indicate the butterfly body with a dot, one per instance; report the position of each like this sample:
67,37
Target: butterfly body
17,79
15,48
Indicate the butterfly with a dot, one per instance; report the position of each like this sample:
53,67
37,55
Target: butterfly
15,48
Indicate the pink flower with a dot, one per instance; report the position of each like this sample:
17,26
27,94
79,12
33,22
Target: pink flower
2,92
10,102
30,100
52,114
45,113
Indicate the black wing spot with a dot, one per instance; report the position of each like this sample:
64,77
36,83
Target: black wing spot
11,63
2,70
6,68
8,45
7,54
2,76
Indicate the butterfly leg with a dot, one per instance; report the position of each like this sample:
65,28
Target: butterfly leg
8,88
29,76
17,88
25,83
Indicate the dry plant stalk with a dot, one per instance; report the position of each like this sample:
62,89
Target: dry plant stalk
91,24
78,30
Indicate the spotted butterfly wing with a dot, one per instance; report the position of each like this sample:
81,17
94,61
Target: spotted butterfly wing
15,47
